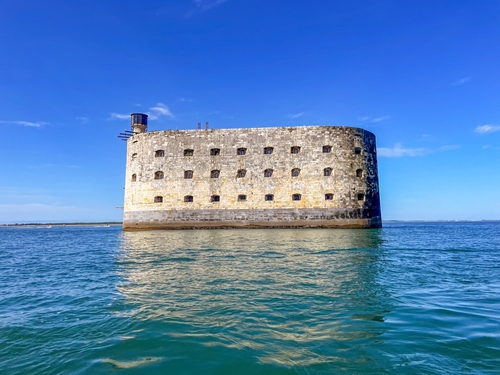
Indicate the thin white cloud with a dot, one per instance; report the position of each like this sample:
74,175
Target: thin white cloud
448,147
119,116
203,5
381,118
158,111
297,115
375,120
399,151
488,128
25,123
461,81
83,120
185,100
49,165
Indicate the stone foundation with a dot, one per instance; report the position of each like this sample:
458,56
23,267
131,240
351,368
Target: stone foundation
275,218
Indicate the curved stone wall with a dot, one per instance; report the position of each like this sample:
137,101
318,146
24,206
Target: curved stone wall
314,176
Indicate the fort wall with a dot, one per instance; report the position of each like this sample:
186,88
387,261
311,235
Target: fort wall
309,176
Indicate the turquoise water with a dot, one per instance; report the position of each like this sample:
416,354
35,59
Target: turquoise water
408,298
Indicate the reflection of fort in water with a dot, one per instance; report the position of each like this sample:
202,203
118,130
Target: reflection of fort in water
243,288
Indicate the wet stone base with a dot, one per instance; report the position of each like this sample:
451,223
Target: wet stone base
260,218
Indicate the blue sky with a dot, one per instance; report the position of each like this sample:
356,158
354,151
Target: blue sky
422,75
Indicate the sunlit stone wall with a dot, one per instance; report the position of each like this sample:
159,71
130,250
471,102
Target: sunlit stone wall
348,196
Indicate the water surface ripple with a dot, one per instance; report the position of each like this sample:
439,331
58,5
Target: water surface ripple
408,298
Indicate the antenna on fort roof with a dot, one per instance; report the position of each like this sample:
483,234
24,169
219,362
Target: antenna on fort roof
125,136
206,125
139,122
199,126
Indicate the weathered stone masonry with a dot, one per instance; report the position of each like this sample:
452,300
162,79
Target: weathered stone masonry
309,176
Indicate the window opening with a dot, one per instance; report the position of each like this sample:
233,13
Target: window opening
269,197
359,173
158,175
214,174
295,150
134,177
188,174
295,172
241,151
188,152
268,150
328,197
327,149
188,198
159,153
268,173
215,151
242,198
361,197
241,173
134,156
296,197
158,199
357,150
215,198
327,172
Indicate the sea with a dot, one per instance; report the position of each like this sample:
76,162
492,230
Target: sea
409,298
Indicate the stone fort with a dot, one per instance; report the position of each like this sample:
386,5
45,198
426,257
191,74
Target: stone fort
292,177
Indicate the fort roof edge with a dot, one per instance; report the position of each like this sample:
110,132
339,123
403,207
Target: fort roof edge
261,128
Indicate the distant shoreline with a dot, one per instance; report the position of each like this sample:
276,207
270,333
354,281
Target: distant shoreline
440,221
119,223
104,223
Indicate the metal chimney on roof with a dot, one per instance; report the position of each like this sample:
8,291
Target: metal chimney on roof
206,125
199,126
139,122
